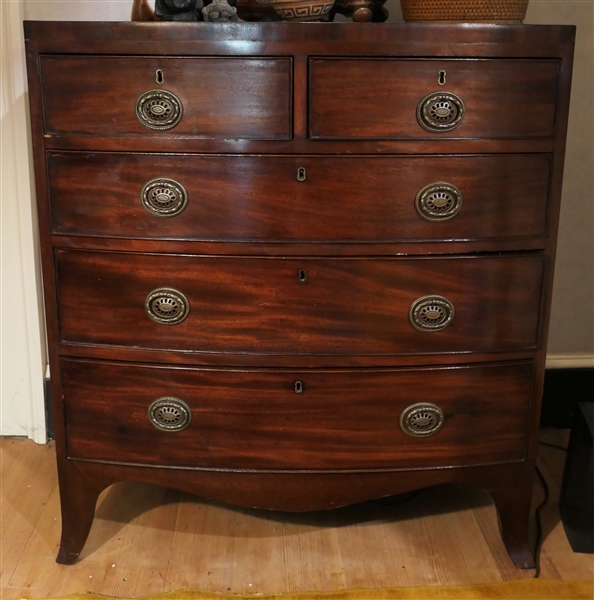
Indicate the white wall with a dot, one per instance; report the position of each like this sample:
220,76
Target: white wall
78,10
571,336
22,355
22,350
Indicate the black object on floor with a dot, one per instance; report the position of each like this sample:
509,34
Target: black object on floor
577,490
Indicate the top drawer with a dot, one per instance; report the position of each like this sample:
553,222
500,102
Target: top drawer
209,97
369,98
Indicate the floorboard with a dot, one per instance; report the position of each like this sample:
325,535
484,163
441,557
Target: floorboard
146,539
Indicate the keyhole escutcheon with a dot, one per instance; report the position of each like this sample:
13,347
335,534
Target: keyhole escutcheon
159,77
302,275
301,174
299,387
442,78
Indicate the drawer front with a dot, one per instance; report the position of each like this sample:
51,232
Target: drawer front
378,98
219,97
255,420
299,306
258,198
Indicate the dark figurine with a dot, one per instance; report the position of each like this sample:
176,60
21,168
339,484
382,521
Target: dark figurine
214,11
179,10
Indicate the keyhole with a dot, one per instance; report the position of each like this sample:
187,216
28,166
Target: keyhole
159,76
442,78
301,175
303,275
299,387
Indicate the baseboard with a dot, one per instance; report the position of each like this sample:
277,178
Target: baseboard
563,389
49,413
570,361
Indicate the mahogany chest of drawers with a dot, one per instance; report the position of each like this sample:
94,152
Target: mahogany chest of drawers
297,266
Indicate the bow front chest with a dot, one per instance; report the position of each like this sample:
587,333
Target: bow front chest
297,267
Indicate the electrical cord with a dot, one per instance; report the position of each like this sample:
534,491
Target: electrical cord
539,508
539,540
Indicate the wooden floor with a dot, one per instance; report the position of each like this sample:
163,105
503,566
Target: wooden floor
146,539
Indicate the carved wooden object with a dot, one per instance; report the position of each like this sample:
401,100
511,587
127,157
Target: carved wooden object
361,11
142,11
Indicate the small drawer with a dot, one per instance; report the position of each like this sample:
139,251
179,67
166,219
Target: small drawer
368,98
211,97
260,198
299,305
250,419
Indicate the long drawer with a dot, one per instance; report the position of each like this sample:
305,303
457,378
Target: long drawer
299,305
214,97
382,98
254,419
259,198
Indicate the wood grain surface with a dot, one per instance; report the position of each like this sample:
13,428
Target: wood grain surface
378,98
258,198
222,97
254,419
345,306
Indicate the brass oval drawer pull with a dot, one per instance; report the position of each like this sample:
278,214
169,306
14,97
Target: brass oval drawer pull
164,197
169,414
440,112
159,109
431,313
439,201
422,419
167,306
